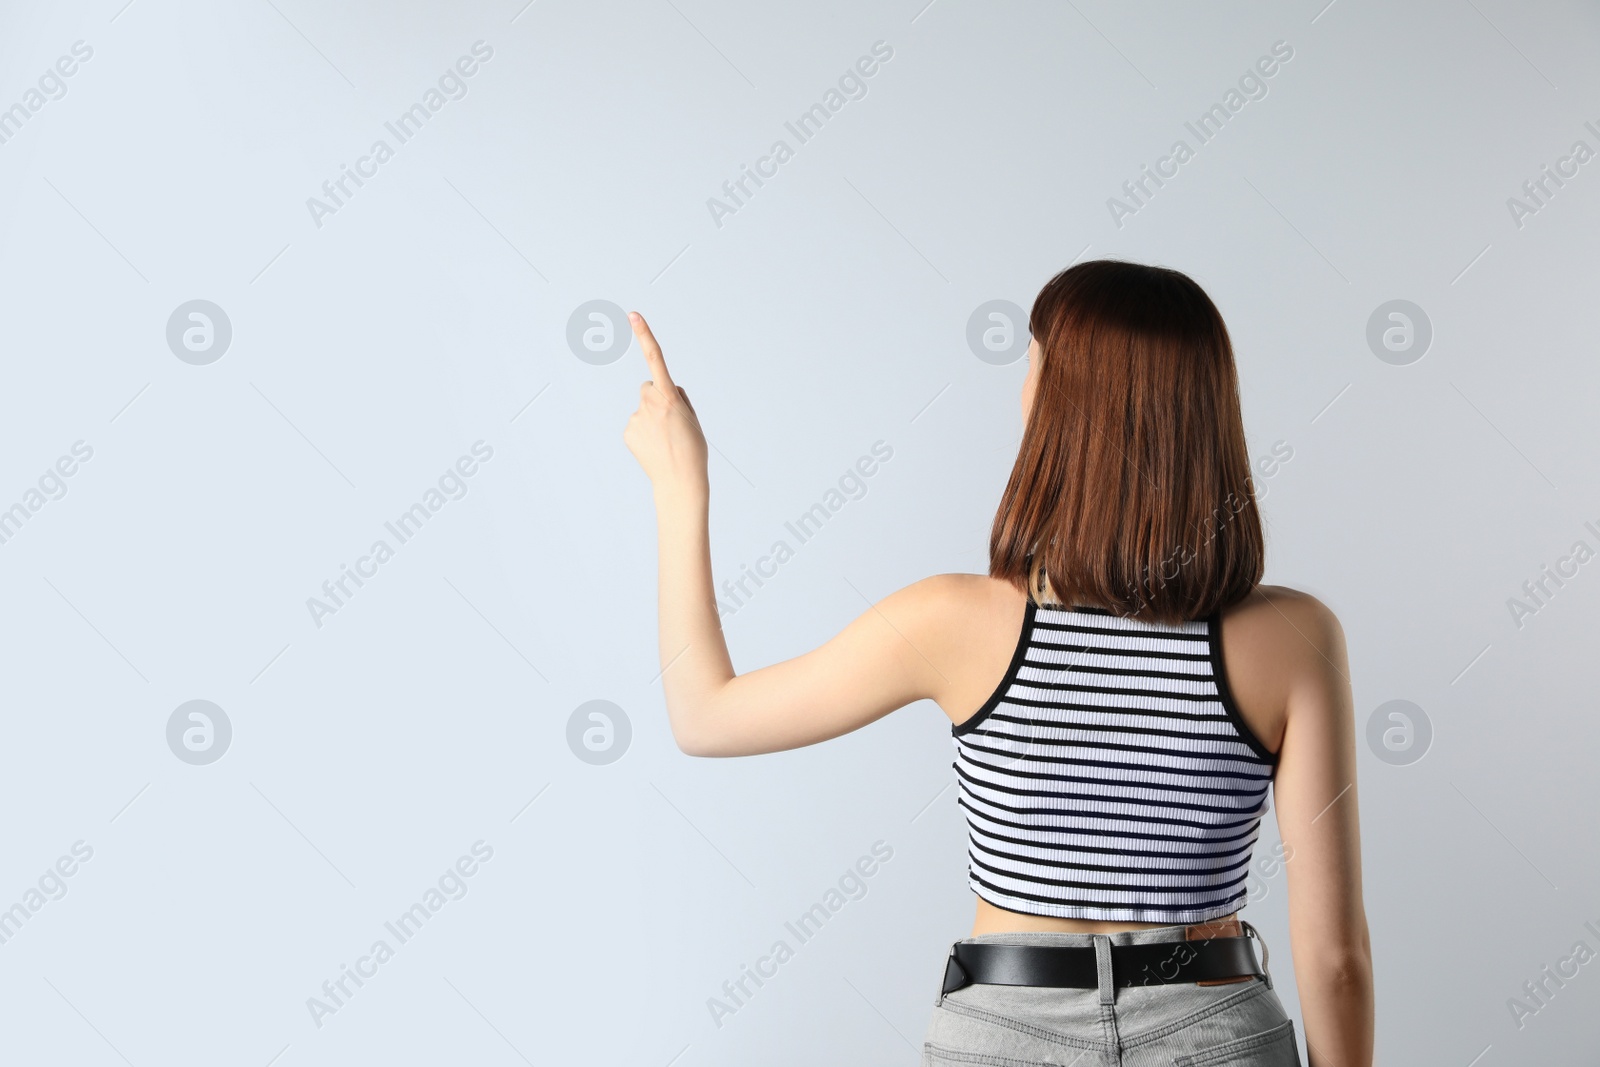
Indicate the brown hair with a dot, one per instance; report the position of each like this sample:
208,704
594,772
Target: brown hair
1132,488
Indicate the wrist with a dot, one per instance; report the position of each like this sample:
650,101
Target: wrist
681,499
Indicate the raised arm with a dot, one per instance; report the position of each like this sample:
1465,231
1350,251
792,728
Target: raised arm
1315,797
878,663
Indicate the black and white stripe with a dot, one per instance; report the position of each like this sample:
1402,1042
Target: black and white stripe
1110,775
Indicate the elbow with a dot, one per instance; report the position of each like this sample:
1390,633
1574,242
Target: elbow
703,728
690,747
693,741
705,745
1349,971
1346,965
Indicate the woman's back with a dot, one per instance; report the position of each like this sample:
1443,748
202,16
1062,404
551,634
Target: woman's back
1080,734
1110,776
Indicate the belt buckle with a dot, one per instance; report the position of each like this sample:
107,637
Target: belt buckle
955,975
1251,931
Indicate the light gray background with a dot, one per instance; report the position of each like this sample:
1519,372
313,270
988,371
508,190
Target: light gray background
829,313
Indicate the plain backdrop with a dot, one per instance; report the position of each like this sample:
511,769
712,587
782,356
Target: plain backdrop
372,744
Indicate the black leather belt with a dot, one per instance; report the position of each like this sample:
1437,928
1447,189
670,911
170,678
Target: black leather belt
1076,966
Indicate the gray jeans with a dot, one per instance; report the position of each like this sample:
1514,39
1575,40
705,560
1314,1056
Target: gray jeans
1176,1025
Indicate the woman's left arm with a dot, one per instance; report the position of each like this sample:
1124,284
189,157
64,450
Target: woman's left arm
873,666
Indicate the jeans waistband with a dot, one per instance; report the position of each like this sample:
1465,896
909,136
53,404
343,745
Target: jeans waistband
1101,943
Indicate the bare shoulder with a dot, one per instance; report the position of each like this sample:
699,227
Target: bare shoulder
1286,624
967,626
964,592
1277,642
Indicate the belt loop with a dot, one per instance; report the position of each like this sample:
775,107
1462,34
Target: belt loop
1251,931
1102,960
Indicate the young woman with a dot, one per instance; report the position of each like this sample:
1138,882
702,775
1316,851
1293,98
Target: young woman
1122,692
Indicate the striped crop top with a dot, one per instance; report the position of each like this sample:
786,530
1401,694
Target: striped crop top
1110,775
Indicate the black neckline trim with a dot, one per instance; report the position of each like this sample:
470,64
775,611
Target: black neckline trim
1017,656
1225,693
1086,609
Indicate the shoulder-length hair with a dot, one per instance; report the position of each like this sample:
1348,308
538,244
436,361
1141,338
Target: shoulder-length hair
1131,490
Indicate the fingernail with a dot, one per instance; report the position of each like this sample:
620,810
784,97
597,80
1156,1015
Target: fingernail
633,316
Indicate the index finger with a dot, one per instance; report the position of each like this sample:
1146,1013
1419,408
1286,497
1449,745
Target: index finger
652,353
